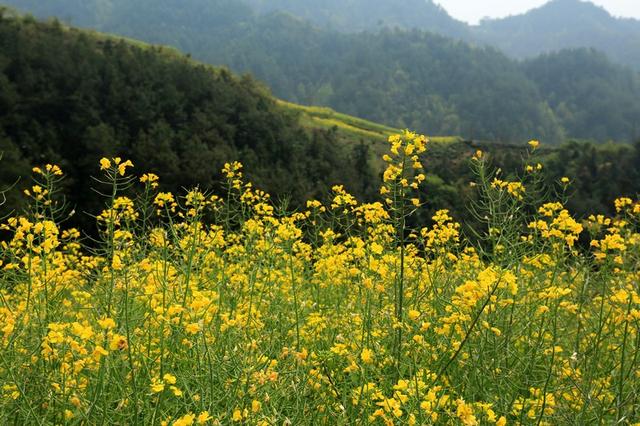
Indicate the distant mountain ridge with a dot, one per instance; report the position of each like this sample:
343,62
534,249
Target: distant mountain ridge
556,25
562,24
359,15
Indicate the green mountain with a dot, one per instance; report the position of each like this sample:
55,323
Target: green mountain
562,24
559,24
70,97
589,95
341,15
403,78
359,15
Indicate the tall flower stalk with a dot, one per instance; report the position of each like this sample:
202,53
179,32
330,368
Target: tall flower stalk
401,180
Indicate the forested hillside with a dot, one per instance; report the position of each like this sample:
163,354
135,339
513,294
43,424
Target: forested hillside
358,15
562,24
69,97
589,95
402,78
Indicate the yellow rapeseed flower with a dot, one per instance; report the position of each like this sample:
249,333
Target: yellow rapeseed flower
105,163
367,356
203,418
237,415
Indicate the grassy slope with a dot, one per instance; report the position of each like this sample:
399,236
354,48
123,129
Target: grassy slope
349,126
351,130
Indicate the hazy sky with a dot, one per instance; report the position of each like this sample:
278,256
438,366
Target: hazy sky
473,10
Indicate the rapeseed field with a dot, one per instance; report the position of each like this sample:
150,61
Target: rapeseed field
199,309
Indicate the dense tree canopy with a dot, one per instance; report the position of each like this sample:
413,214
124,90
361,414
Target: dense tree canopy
591,97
